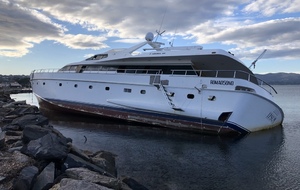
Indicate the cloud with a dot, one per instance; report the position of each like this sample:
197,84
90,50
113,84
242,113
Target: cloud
81,41
280,36
21,28
24,24
130,40
134,17
271,7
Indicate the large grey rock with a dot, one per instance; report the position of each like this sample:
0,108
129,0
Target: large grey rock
9,140
30,119
10,127
5,111
68,184
47,147
14,133
2,140
24,109
14,104
56,132
11,165
22,158
73,161
74,150
33,132
13,149
45,179
133,184
26,177
105,160
2,178
94,177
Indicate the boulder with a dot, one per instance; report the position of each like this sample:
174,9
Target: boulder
13,149
10,118
94,177
14,104
45,179
25,109
2,178
74,150
22,158
12,163
67,184
4,111
14,133
10,127
73,161
56,132
47,147
2,140
30,119
133,184
9,140
33,132
25,179
105,160
17,144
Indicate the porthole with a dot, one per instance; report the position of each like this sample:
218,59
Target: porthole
90,87
44,83
143,91
190,96
107,88
75,85
60,84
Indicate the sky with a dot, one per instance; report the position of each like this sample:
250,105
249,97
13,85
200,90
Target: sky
44,34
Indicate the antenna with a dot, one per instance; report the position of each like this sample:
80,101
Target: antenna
171,43
260,56
158,32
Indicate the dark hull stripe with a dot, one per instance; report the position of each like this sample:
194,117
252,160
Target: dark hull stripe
162,119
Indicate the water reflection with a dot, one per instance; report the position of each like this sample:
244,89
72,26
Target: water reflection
167,159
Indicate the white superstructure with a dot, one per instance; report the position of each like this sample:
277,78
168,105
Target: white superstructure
189,88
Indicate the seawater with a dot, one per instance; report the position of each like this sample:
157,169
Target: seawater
167,159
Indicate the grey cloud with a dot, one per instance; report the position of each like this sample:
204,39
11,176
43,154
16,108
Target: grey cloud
20,22
191,19
133,17
279,35
20,28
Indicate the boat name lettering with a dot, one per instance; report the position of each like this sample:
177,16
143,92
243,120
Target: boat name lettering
271,117
222,82
157,53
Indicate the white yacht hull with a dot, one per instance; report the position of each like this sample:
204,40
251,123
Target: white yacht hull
184,102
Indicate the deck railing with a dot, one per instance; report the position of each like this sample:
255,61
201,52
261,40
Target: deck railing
202,73
226,74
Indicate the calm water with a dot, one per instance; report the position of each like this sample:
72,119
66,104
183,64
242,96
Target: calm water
166,159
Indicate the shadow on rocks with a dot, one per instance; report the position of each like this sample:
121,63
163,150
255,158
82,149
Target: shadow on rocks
36,156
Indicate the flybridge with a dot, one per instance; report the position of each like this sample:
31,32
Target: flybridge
157,45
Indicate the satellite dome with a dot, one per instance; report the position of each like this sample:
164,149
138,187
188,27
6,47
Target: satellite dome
149,36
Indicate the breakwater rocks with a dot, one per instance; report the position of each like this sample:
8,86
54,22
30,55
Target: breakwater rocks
36,156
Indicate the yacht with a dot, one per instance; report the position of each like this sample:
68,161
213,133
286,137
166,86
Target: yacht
187,88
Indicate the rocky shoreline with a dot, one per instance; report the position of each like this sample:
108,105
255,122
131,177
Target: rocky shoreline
36,156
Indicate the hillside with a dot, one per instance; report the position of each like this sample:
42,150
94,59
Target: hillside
280,78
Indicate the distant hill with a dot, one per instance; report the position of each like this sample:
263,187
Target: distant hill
280,78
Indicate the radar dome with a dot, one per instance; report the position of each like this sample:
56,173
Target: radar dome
149,36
